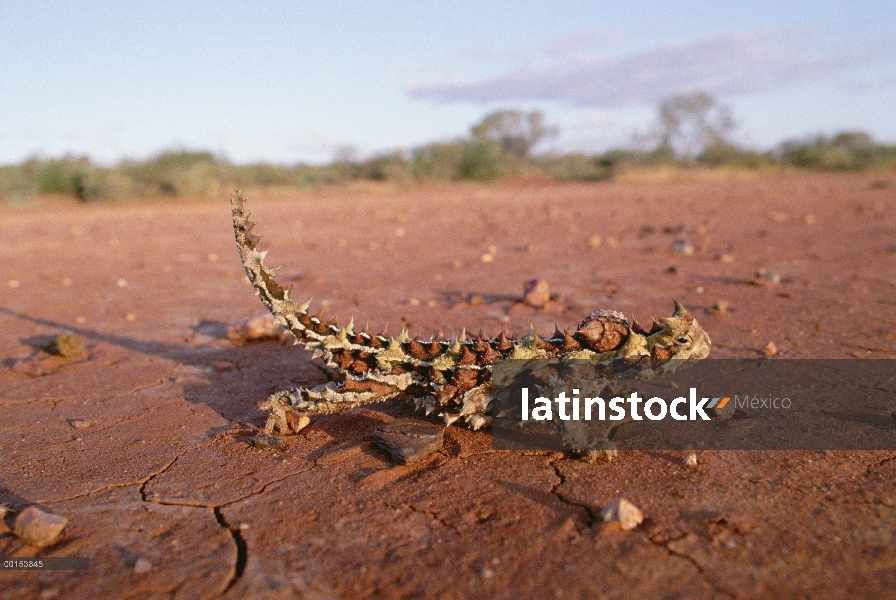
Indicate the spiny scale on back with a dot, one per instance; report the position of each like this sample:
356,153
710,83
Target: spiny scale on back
452,377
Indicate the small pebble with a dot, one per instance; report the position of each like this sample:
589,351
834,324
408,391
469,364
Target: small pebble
720,411
266,441
257,328
682,247
809,219
28,366
771,349
122,283
66,344
690,460
536,292
764,277
891,248
487,258
39,528
409,442
477,300
725,258
721,307
414,302
222,365
78,423
594,241
13,283
4,510
142,566
623,512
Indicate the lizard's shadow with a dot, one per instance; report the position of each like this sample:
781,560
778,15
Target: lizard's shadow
231,379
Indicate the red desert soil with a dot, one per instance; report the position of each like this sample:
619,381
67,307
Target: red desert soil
143,444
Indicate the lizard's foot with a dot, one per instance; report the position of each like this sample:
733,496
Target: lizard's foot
283,417
605,452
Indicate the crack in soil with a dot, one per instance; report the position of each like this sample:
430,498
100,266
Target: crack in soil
242,550
592,517
141,482
717,588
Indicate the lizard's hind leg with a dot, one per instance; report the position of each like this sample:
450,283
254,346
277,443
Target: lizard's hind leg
289,409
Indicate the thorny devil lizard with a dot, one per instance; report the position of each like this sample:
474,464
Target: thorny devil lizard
450,377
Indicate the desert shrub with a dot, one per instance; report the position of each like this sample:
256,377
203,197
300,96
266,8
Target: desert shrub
727,154
845,151
438,161
70,176
484,160
393,166
575,166
181,173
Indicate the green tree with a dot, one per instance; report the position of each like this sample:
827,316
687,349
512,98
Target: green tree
688,124
515,131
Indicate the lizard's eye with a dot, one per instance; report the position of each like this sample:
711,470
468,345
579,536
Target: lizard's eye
682,340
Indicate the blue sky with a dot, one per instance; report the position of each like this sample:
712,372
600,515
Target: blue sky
298,81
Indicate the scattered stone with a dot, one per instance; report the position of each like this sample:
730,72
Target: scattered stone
721,411
28,366
39,528
673,270
65,344
612,242
13,283
771,349
682,247
623,512
4,510
690,460
721,307
767,278
142,566
536,292
222,365
78,423
409,442
594,241
414,302
266,441
487,257
891,248
699,289
477,300
257,328
725,258
809,219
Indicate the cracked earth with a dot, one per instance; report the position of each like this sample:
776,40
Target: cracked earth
158,467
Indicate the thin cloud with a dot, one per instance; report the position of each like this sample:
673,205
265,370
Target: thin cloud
601,38
725,65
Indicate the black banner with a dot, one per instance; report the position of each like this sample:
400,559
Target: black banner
710,404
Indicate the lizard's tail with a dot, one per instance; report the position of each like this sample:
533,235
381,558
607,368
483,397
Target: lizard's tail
307,330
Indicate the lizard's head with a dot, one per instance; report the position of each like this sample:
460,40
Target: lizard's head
683,336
